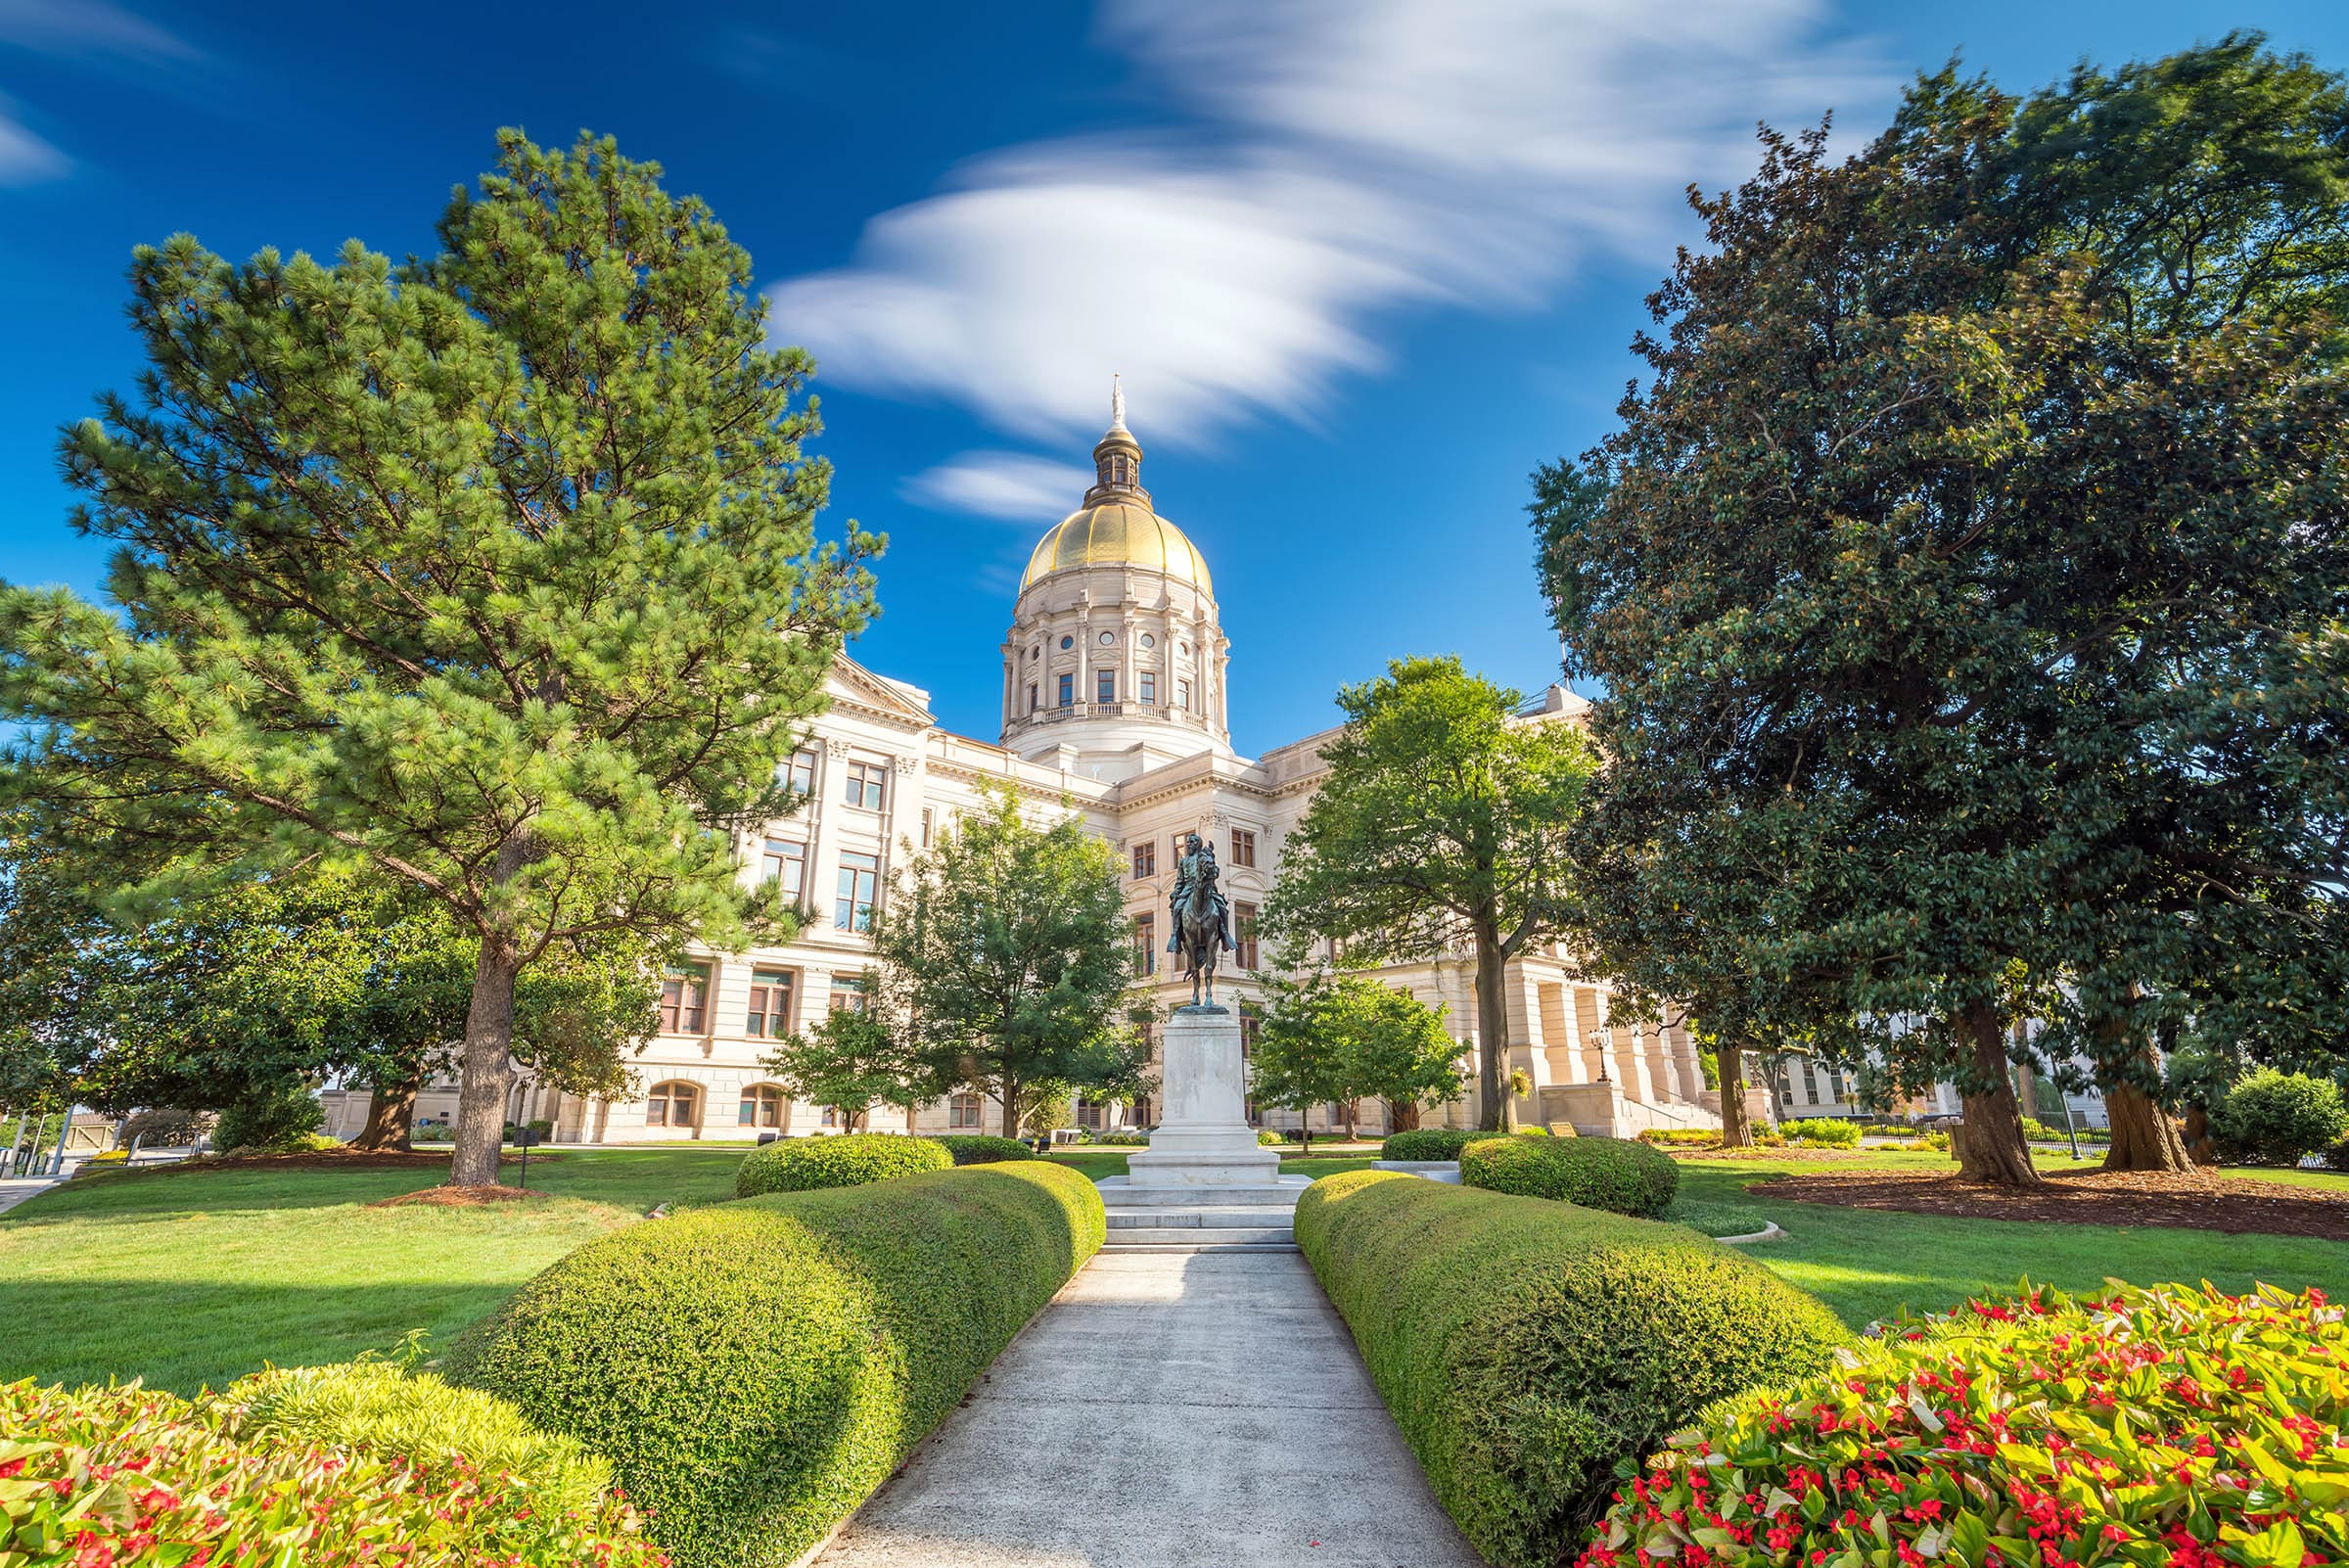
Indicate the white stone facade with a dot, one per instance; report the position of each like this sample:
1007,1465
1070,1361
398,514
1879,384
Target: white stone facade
1120,606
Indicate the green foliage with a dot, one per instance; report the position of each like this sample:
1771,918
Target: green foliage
2108,1429
131,1476
1345,1038
1619,1175
277,1118
754,1371
1829,1132
376,1408
854,1058
496,571
1674,1138
1960,655
1267,1137
980,1148
1527,1348
2271,1118
797,1164
1010,951
1441,825
1431,1143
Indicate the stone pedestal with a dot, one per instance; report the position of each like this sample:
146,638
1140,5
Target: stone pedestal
1204,1140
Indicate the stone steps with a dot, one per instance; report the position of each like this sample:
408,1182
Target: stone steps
1192,1238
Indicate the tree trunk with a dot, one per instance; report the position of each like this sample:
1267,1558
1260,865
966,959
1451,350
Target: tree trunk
1402,1116
1992,1148
391,1118
1492,1033
487,1072
2143,1137
1349,1115
2200,1145
1728,1064
1011,1109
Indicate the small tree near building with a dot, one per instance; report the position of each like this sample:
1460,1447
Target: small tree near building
854,1058
1442,823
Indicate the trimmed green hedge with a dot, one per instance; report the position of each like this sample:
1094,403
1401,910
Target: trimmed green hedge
982,1148
799,1165
1619,1175
1827,1131
754,1371
1431,1143
1527,1348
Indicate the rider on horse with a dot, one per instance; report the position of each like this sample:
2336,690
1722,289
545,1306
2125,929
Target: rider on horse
1198,859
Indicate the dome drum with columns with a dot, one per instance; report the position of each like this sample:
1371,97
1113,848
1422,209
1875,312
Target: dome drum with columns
1116,660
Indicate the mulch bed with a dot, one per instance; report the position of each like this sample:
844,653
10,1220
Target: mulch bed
456,1198
2195,1201
1782,1155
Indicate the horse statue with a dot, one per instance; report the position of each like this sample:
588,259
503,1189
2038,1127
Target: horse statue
1202,927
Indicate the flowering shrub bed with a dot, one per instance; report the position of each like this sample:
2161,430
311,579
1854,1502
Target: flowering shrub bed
800,1165
131,1478
1823,1132
2164,1426
1679,1137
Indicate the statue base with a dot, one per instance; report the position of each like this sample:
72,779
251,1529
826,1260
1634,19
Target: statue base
1204,1140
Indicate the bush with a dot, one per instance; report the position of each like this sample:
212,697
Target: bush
1533,1130
754,1371
1266,1137
106,1158
1620,1175
2271,1118
165,1128
1125,1139
375,1408
130,1476
981,1148
276,1121
1823,1132
1681,1138
2165,1425
2336,1158
797,1164
1431,1143
1527,1348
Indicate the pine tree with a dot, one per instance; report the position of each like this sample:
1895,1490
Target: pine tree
495,573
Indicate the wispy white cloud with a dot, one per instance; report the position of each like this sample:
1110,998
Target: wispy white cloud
1011,486
89,27
1345,157
25,159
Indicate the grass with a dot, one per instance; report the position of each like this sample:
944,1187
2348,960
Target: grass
194,1277
1867,1265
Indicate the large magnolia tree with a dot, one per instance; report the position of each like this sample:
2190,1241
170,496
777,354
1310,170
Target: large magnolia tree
495,572
1968,580
1442,825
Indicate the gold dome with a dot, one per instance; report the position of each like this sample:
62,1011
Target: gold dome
1118,532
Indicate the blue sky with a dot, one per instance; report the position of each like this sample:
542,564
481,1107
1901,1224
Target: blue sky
1362,263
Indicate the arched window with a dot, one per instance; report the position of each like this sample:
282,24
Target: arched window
673,1104
764,1105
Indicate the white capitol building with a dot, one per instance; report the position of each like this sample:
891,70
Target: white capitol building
1114,698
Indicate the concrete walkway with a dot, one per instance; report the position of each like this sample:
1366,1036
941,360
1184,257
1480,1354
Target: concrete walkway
1197,1409
16,1189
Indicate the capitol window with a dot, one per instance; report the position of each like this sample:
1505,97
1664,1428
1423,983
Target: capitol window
1108,637
1182,695
673,1105
1068,691
1105,686
1149,692
1148,641
1068,642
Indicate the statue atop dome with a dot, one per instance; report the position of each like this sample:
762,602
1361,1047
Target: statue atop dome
1117,405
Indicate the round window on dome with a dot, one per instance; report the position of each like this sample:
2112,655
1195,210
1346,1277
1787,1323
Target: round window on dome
1108,637
1183,648
1150,641
1068,642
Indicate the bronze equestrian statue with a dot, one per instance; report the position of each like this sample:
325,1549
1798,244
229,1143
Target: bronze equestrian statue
1201,917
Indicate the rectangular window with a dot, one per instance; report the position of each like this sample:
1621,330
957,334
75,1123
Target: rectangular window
1182,695
859,880
1068,691
683,993
800,772
847,993
784,863
1243,846
864,784
1088,1114
1031,697
925,828
1835,1085
1148,691
1145,939
1176,859
962,1111
1105,685
1810,1081
770,1005
1251,1021
1145,859
1243,935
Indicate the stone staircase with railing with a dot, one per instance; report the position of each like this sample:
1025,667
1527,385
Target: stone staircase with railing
1204,1219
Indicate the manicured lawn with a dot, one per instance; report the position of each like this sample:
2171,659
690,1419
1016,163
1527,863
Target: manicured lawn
1867,1265
191,1277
